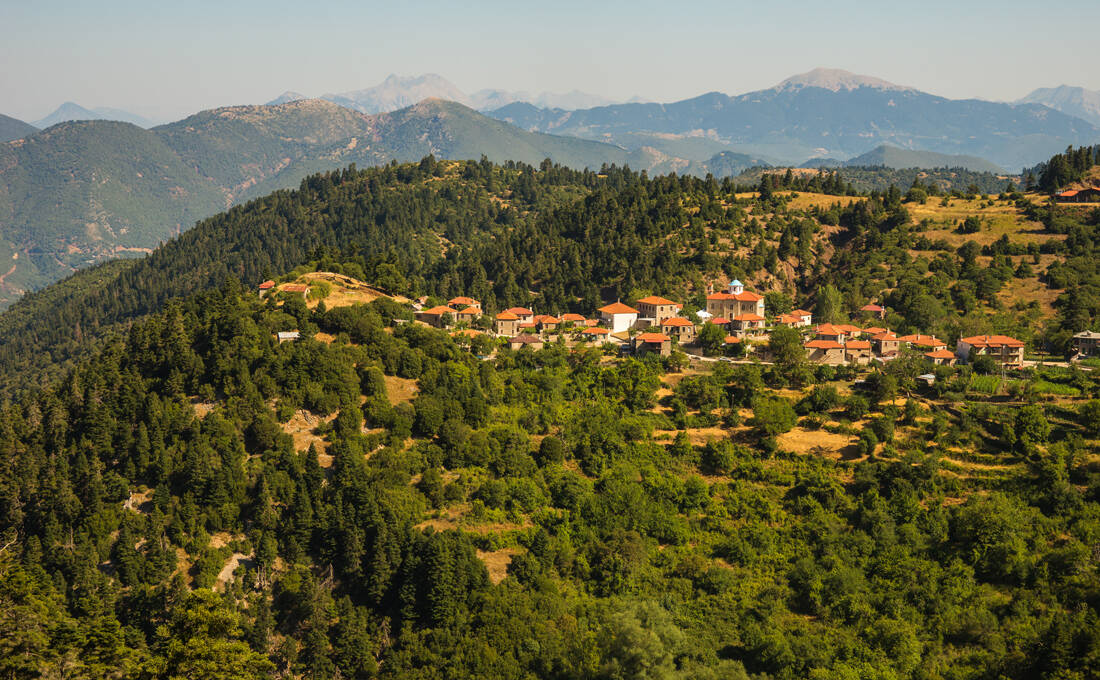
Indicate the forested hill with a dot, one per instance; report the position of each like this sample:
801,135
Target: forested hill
567,240
82,192
374,500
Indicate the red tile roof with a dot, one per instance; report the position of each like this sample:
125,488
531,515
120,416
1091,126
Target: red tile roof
741,297
520,311
732,340
657,300
676,321
940,354
525,339
875,330
871,308
823,344
462,300
547,319
789,318
267,284
828,329
618,308
922,340
595,331
886,337
719,321
801,312
992,341
653,337
858,344
440,310
507,316
748,317
572,317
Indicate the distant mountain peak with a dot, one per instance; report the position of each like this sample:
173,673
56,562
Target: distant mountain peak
836,80
1071,100
288,96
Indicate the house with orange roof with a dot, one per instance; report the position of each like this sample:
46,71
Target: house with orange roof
506,323
886,344
1086,195
462,301
595,335
831,333
734,301
824,351
657,343
574,319
925,343
468,314
744,325
680,328
872,331
857,351
874,311
525,340
295,288
618,317
266,287
798,318
522,313
720,321
941,357
657,308
437,316
547,322
1003,349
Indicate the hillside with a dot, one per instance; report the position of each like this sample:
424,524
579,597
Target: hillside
91,190
191,497
812,116
13,128
893,157
574,238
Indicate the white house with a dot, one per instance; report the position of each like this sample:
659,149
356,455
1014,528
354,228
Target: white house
618,317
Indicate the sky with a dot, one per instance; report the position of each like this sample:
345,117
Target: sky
168,60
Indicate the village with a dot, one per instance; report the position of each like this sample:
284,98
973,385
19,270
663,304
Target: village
741,323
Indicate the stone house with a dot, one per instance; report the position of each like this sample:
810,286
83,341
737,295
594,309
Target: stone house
1003,349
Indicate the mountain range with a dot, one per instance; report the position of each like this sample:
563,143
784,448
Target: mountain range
72,111
825,113
888,156
81,192
1075,101
397,92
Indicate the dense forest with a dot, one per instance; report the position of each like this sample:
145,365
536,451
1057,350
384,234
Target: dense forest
131,489
182,496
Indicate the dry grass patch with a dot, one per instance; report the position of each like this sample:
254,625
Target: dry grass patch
202,408
400,390
497,561
346,290
300,428
817,442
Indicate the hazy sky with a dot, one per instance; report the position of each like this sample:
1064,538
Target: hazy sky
166,60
